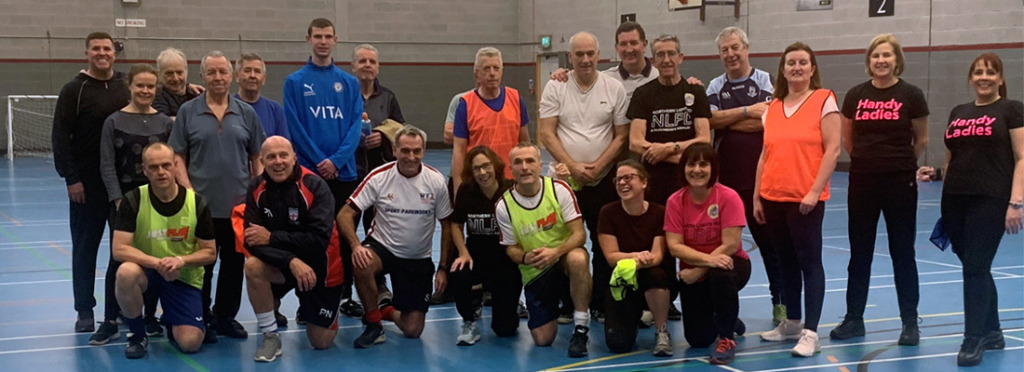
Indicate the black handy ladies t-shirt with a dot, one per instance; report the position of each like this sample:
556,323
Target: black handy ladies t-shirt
978,139
883,136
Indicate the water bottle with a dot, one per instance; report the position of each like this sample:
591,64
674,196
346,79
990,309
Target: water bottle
367,126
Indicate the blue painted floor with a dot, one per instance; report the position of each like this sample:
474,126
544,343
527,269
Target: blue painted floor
37,316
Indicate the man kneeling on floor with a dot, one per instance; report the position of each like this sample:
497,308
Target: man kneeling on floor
163,236
542,231
292,243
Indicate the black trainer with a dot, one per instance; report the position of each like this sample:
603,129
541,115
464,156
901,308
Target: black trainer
849,328
673,312
971,352
108,332
578,343
153,327
994,341
352,309
298,317
740,328
210,337
85,322
231,328
910,336
281,320
372,335
137,345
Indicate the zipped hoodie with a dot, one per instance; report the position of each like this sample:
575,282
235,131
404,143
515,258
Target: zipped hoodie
82,107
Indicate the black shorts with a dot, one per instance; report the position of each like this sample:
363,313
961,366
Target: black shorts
318,306
543,295
412,280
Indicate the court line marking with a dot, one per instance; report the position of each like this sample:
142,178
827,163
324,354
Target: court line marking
572,367
787,350
13,220
1013,337
832,359
915,259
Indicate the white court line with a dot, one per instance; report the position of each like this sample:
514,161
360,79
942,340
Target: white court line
885,360
915,259
787,350
833,290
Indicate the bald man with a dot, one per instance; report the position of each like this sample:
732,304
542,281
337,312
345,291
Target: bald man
288,230
583,124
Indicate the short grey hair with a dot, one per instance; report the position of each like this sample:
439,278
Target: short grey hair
666,37
597,44
729,31
213,54
249,56
523,145
364,47
412,131
487,52
169,54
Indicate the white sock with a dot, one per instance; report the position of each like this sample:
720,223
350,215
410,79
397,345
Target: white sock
581,318
267,322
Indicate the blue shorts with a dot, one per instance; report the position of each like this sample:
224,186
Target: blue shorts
182,303
543,295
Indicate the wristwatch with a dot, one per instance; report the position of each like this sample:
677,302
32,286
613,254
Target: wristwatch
442,268
675,147
1016,205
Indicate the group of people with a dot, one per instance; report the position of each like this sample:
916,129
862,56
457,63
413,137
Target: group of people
187,173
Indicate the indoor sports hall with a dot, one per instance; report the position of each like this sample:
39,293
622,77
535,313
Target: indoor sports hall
426,50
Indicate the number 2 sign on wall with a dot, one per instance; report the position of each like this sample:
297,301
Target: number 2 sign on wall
881,8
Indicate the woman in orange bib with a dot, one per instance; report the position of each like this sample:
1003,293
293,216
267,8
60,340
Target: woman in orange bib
801,145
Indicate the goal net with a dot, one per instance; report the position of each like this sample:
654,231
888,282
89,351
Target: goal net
29,122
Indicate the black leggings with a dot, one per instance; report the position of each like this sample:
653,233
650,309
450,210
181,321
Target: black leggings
500,276
975,225
710,306
797,238
894,195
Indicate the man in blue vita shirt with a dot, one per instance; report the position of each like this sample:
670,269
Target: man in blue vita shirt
324,109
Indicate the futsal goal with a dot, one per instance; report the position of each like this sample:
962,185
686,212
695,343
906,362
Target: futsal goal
29,122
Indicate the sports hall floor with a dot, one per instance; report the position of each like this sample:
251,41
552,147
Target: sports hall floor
37,316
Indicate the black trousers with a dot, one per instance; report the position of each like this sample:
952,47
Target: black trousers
501,277
341,190
893,195
975,225
770,257
797,238
229,280
590,200
710,306
87,222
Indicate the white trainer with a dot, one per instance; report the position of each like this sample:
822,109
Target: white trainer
787,330
808,344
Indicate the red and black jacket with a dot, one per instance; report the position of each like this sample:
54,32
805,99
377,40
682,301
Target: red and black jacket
299,213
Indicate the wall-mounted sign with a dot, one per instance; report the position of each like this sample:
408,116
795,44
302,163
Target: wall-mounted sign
130,22
881,8
802,5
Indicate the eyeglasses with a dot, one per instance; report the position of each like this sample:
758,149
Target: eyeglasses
627,178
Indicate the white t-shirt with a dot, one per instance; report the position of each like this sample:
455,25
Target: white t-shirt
406,208
566,200
586,120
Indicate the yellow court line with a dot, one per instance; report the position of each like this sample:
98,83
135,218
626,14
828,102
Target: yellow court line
59,248
13,220
598,360
638,352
